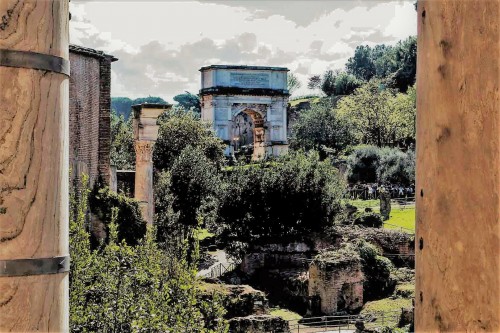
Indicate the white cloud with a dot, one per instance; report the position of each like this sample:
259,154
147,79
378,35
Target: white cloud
161,45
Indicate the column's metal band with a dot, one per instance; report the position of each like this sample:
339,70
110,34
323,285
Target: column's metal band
35,266
33,60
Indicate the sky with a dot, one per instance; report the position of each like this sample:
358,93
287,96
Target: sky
161,45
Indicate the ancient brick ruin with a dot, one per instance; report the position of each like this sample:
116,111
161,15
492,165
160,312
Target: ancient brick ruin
298,277
89,113
337,285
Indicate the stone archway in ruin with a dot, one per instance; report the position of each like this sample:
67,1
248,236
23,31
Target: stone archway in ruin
248,131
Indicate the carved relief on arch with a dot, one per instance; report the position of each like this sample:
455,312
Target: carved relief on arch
144,151
241,107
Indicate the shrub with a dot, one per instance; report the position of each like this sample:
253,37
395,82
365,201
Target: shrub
370,164
289,198
370,219
362,164
123,288
131,226
395,166
378,282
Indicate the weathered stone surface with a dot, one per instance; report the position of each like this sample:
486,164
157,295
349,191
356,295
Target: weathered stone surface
239,300
258,324
274,256
388,241
385,203
247,106
287,287
145,135
406,317
337,281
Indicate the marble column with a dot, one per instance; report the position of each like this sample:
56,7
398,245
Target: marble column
145,135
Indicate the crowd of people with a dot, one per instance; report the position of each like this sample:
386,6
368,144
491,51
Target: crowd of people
371,191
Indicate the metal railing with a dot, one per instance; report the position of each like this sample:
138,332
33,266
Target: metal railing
344,323
397,227
220,269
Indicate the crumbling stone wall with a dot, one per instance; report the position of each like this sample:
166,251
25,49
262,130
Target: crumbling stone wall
336,284
238,300
388,241
258,324
287,287
272,256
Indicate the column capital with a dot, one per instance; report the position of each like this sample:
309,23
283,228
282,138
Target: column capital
144,151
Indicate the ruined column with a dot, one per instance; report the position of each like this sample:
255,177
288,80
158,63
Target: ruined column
145,135
458,167
34,102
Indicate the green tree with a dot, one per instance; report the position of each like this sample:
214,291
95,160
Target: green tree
370,164
314,82
346,84
123,105
122,153
395,166
328,83
179,129
322,129
293,83
106,205
194,184
361,64
188,102
406,58
380,116
362,164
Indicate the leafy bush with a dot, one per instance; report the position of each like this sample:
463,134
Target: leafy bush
395,166
370,164
370,219
131,226
378,282
362,165
123,288
289,198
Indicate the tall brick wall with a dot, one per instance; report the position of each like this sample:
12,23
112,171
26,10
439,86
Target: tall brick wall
84,115
105,119
89,114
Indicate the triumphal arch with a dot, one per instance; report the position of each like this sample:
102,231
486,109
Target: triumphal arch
247,107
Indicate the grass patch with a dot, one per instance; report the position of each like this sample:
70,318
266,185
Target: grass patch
401,218
285,314
390,307
405,290
362,204
312,100
201,234
386,305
